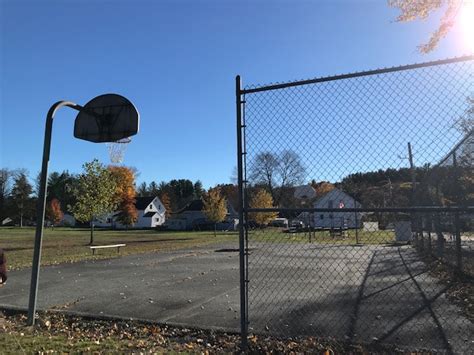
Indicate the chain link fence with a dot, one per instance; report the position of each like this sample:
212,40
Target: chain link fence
357,195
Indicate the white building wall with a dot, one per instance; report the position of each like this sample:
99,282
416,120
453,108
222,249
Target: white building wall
334,199
156,220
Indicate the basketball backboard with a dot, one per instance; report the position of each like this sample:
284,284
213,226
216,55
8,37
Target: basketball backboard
107,118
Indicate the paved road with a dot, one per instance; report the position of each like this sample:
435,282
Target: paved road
192,287
364,293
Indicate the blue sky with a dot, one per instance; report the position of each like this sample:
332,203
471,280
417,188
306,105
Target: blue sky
177,61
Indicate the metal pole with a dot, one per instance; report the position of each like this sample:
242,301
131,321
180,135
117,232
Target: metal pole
40,208
356,223
414,221
457,228
429,226
457,233
412,169
242,253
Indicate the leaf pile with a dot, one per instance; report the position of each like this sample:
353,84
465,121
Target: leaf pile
58,332
461,287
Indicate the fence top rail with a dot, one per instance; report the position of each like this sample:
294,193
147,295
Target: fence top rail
428,209
456,147
357,74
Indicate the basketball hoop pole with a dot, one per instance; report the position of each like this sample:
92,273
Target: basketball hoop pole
40,209
90,118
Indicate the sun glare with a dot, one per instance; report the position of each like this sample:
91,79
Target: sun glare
466,22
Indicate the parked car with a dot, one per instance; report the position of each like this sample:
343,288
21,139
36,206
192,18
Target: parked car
279,222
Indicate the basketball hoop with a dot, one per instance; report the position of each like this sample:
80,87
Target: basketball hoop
117,150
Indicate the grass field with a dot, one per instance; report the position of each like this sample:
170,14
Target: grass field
71,244
322,237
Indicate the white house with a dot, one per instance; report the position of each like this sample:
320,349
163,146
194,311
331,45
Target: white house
340,200
151,214
192,217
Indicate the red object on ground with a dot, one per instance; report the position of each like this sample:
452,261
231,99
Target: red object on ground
3,267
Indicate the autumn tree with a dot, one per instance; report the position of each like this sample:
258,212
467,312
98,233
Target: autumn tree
96,193
165,200
125,194
215,207
262,199
411,10
20,195
322,188
231,194
54,212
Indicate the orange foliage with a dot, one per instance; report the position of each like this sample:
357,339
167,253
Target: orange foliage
322,188
55,213
165,200
125,194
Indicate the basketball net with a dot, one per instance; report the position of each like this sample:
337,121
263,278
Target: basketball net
117,150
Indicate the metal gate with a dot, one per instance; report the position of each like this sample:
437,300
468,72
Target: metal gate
356,207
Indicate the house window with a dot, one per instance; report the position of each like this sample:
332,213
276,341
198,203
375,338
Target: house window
321,216
150,207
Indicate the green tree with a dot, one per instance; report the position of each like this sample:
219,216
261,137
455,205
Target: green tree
153,189
262,199
95,194
182,192
411,10
6,176
215,207
60,187
198,189
142,190
20,195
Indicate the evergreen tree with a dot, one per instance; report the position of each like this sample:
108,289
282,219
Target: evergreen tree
5,187
198,189
20,195
153,189
142,190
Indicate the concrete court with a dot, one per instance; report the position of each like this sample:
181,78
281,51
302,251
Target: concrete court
367,293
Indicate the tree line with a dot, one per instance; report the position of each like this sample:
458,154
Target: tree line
272,181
